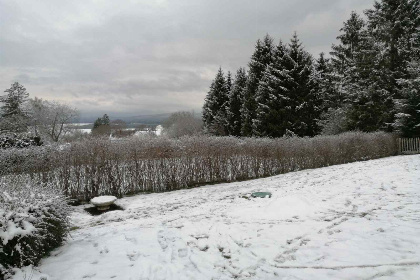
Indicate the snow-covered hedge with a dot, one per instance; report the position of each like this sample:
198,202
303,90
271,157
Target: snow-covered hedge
33,221
15,141
102,167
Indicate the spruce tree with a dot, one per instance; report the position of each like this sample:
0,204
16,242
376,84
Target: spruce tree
274,105
407,122
332,119
350,38
370,104
263,56
288,102
214,109
101,126
14,101
228,82
14,117
395,25
307,100
235,103
325,79
356,60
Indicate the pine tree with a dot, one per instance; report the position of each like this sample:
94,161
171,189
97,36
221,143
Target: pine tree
332,119
287,99
14,101
235,102
395,24
326,84
102,126
228,81
263,56
14,116
342,54
370,104
274,105
408,117
308,103
214,109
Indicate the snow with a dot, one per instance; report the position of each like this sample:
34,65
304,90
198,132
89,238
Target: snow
103,200
12,230
351,221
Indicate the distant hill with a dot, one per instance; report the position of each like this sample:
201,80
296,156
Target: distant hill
147,119
151,119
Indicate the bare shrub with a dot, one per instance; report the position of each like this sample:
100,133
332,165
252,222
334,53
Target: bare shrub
183,124
99,166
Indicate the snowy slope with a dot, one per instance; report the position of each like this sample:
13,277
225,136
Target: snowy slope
352,221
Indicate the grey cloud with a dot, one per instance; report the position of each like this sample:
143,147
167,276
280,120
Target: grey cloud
148,56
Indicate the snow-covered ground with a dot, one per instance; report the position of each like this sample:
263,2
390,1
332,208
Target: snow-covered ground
351,221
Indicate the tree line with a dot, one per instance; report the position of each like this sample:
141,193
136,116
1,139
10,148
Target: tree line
41,118
370,82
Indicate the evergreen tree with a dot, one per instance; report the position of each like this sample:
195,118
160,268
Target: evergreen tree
287,99
357,61
395,25
408,117
214,109
332,119
326,85
235,102
342,54
304,91
105,120
228,82
14,101
370,105
263,56
274,105
14,116
101,126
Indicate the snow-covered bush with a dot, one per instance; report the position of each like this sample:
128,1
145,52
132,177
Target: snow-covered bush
96,167
29,160
33,221
15,141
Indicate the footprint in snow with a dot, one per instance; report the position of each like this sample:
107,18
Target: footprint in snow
104,250
348,202
89,275
183,252
133,256
162,240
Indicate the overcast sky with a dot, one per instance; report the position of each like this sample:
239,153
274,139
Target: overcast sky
133,57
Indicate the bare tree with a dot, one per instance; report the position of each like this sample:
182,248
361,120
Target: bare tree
182,123
51,118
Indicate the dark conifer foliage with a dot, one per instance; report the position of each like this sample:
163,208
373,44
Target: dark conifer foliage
349,41
13,114
327,84
273,103
214,109
235,103
395,25
303,90
263,56
287,98
407,121
370,82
